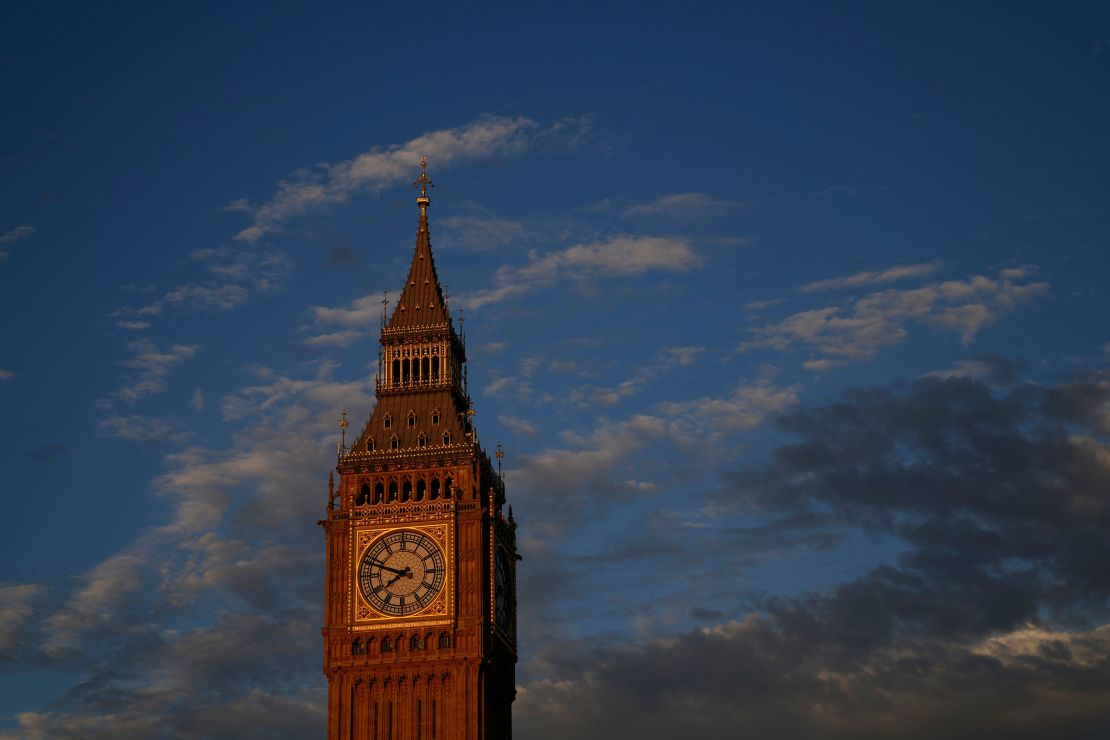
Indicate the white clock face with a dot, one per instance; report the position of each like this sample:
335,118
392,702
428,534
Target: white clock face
402,572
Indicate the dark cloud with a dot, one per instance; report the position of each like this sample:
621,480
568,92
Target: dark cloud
48,453
1011,486
986,623
341,255
776,676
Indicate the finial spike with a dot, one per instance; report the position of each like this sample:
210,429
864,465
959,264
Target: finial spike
423,183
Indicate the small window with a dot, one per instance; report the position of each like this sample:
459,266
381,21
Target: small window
393,444
406,491
388,421
435,418
447,438
356,646
392,491
444,640
412,420
421,441
415,643
363,495
387,645
370,445
379,493
435,489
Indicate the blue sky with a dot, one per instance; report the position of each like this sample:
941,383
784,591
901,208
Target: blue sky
790,318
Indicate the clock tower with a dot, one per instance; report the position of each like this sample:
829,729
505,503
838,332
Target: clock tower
420,611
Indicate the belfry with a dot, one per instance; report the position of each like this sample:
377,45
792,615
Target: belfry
420,612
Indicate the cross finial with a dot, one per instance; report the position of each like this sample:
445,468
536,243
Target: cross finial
423,182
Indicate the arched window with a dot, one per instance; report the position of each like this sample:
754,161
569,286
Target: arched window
392,491
422,441
356,646
444,640
415,643
393,443
370,445
406,491
424,369
448,487
363,495
447,438
420,486
379,493
435,418
435,369
435,489
387,645
412,420
396,372
388,421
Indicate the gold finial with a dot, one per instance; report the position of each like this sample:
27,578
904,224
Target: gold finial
423,182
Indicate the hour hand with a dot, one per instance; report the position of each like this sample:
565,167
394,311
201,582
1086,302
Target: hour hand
406,573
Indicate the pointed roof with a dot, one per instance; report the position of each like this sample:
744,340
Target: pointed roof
421,302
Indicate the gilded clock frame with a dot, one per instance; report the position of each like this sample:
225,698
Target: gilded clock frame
439,611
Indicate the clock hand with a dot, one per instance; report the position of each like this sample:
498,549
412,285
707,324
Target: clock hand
406,573
383,566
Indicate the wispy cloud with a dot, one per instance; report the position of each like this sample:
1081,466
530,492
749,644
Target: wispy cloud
12,236
857,330
333,183
6,375
473,232
874,277
685,205
142,429
149,367
666,360
233,274
620,256
361,313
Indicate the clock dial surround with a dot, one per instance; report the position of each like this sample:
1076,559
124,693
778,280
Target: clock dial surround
402,572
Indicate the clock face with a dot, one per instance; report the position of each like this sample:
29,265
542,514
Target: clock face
502,590
402,572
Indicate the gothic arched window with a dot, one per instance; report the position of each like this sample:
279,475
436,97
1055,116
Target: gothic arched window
444,640
393,443
387,422
379,492
387,645
422,441
363,495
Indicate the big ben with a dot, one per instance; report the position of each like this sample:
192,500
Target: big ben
420,614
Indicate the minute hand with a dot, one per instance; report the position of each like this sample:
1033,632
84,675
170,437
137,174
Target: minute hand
383,566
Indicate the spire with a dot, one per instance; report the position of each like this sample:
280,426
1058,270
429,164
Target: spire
421,301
